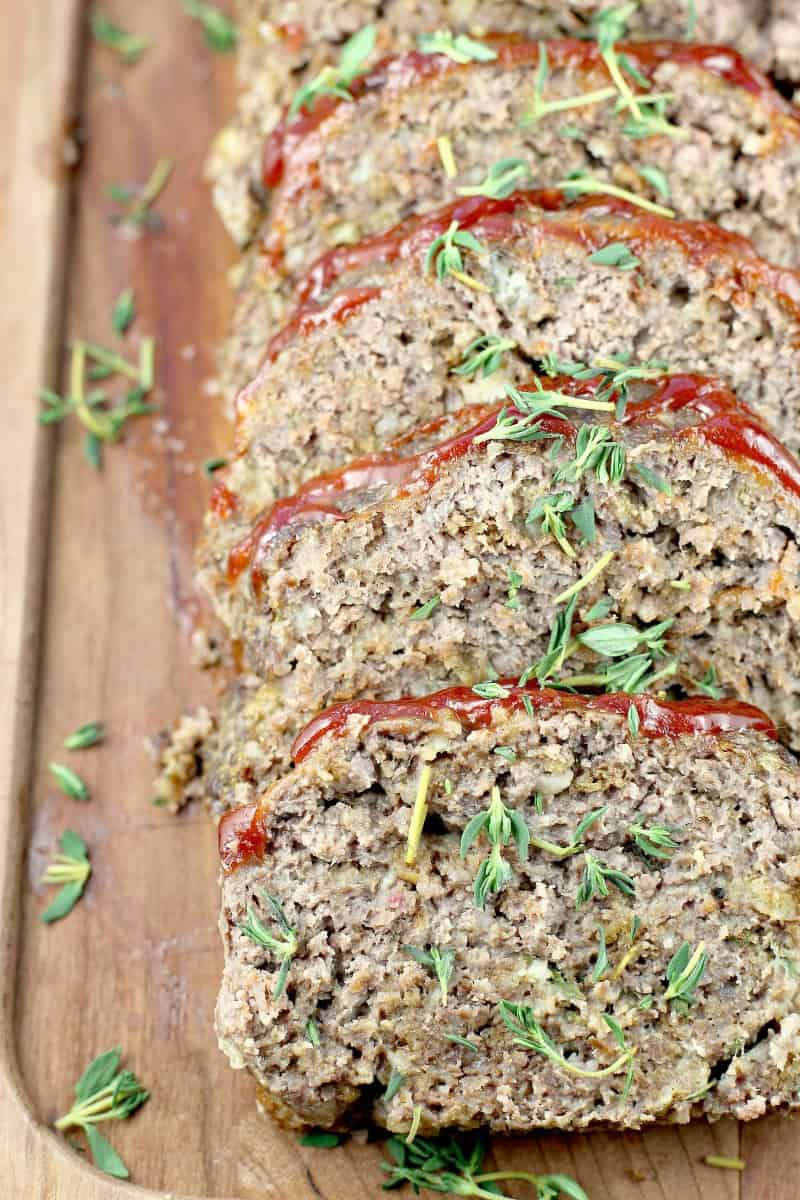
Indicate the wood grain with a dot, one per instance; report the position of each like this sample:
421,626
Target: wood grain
96,609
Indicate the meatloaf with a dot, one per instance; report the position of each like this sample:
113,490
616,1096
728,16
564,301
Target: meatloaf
376,347
544,911
284,46
542,542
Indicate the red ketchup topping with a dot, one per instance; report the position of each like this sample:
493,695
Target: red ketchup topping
721,420
657,718
494,221
223,503
242,836
405,70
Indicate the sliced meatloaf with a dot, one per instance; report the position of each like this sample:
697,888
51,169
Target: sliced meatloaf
283,46
376,346
489,553
349,170
456,912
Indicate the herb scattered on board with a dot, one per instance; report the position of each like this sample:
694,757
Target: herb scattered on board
212,465
451,1164
500,825
71,868
444,256
528,1033
322,1139
685,971
219,30
502,178
439,961
90,734
284,948
484,355
460,48
70,783
724,1163
102,420
137,203
129,46
336,80
104,1093
124,312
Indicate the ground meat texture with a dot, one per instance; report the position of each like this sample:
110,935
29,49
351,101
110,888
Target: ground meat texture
373,162
341,382
324,609
329,844
282,46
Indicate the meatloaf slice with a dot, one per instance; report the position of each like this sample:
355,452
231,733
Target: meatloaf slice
489,553
375,348
456,912
284,46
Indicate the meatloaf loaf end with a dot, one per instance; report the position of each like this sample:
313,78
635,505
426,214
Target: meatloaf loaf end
544,911
540,541
376,346
284,46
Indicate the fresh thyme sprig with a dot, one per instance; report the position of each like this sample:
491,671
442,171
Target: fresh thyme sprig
596,879
575,844
71,868
445,258
138,203
284,948
124,312
685,970
610,27
708,685
219,30
541,108
502,178
522,422
597,451
581,183
440,961
451,1164
426,610
129,46
484,355
656,841
547,511
500,825
528,1033
459,48
104,1093
515,582
336,80
616,374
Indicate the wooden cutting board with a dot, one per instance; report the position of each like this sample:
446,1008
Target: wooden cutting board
96,608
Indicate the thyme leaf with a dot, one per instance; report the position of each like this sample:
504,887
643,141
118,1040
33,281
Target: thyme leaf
439,961
615,254
396,1081
484,355
515,582
336,80
547,511
597,451
138,203
70,783
460,49
500,825
709,685
284,948
90,734
426,610
71,868
129,46
219,30
501,179
541,108
581,183
444,254
124,312
528,1033
596,879
656,841
685,970
104,1093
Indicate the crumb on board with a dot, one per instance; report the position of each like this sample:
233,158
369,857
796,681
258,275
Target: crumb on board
204,650
177,754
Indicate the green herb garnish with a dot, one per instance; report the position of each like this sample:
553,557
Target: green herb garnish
439,961
85,736
500,825
581,183
484,355
212,465
335,81
322,1139
425,610
461,49
489,690
138,203
633,720
656,841
595,450
124,312
129,46
451,1164
656,178
71,868
445,257
529,1034
462,1041
514,584
312,1032
652,478
283,948
541,108
547,512
219,30
597,877
506,752
501,179
615,254
601,963
70,783
684,972
709,685
104,1093
396,1081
